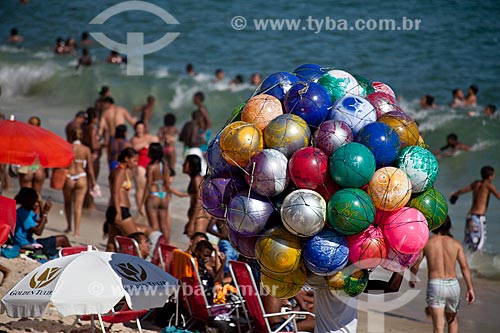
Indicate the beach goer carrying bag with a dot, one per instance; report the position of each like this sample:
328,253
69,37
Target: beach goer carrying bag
58,178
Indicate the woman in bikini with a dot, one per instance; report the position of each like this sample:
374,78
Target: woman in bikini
198,218
76,184
140,142
28,176
167,135
157,192
118,218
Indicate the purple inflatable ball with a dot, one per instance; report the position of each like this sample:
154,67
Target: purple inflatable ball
212,195
249,214
332,134
267,172
244,244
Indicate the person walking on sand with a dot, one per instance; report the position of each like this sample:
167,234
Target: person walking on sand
475,223
167,135
146,111
77,184
112,116
157,192
443,290
198,218
33,176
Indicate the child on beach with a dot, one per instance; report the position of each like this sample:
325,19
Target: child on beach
443,290
209,274
475,223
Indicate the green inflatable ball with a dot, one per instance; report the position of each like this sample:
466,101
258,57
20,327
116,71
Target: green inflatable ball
433,205
350,211
356,283
352,165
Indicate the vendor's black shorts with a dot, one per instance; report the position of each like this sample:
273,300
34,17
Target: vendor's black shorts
49,246
111,214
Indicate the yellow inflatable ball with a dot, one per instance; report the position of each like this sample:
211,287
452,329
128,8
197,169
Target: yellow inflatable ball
239,141
404,125
261,109
284,285
278,251
389,188
337,281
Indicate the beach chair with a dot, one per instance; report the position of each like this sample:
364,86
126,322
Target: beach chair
127,245
67,251
124,315
166,255
247,289
196,300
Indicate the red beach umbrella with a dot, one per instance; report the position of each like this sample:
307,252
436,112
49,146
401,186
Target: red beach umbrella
25,144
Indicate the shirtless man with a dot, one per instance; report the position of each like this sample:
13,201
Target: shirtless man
146,111
443,289
451,147
112,116
458,98
471,98
77,122
475,223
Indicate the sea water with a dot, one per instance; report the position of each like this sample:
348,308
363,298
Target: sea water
457,44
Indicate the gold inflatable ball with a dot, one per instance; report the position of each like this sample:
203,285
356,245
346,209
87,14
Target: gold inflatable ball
404,125
278,251
337,281
389,188
261,109
284,285
239,141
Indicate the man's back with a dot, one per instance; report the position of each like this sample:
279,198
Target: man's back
480,196
442,254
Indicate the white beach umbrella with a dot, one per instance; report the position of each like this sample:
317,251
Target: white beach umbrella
89,283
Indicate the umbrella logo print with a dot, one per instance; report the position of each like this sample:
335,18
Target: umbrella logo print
131,273
47,276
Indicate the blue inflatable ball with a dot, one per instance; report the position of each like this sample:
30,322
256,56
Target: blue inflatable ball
277,84
326,253
217,165
356,111
310,101
352,165
310,72
382,141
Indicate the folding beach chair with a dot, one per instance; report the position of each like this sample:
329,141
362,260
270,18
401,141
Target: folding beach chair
67,251
166,255
196,300
127,245
247,289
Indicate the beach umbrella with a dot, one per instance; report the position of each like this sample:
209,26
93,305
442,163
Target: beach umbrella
7,218
25,144
90,282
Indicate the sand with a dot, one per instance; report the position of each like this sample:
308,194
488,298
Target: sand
408,318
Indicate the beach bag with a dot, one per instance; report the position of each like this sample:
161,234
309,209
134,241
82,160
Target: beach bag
58,178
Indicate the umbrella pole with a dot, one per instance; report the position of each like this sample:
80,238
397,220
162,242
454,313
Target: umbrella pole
100,322
91,323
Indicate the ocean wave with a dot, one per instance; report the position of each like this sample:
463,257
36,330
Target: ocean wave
18,79
485,265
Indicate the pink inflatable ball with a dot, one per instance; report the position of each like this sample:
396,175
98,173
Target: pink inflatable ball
331,135
266,172
382,87
367,249
261,109
244,244
308,167
383,103
328,188
398,262
405,230
212,195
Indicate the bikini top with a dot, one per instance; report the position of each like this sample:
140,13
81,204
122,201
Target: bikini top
127,184
84,162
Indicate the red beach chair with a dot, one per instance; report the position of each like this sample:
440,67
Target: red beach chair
247,289
67,251
166,255
127,245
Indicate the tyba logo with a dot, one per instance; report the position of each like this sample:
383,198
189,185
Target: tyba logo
135,49
47,276
131,272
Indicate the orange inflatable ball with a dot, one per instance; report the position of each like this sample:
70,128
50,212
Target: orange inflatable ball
239,141
404,125
261,109
389,188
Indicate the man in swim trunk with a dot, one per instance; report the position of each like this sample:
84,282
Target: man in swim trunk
443,289
475,225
